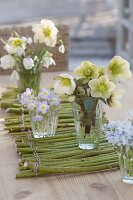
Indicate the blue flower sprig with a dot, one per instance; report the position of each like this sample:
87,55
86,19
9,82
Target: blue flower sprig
119,133
40,105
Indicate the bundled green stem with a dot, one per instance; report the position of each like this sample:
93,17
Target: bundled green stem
52,170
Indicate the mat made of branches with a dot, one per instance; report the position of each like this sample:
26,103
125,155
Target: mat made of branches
57,154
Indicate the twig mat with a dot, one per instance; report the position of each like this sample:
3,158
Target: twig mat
57,154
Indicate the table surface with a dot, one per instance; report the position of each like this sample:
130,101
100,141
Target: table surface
96,186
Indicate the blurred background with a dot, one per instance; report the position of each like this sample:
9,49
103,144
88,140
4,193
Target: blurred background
98,28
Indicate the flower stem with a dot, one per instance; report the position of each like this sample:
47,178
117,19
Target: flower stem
52,170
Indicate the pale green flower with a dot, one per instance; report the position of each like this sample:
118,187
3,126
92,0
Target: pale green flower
64,84
113,101
102,71
118,69
45,32
87,70
101,87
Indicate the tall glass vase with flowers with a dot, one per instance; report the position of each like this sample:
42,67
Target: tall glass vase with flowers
27,62
120,135
92,87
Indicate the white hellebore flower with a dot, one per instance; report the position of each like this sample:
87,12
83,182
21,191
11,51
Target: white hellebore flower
7,61
14,76
119,69
62,48
45,32
48,60
16,45
87,70
113,101
64,84
28,63
101,87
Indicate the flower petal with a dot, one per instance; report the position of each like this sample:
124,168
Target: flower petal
7,61
64,84
118,69
28,63
62,49
14,76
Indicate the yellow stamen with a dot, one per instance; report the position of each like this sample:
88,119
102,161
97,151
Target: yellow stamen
65,82
17,42
47,32
87,72
43,106
115,68
102,87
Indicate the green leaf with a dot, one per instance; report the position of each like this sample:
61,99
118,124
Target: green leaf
79,82
86,80
103,100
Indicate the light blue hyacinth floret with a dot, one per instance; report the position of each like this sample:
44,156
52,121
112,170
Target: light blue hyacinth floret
119,132
44,102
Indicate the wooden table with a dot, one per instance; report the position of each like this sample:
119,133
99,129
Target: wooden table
96,186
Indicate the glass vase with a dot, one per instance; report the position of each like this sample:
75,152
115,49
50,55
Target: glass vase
45,127
29,79
125,154
87,112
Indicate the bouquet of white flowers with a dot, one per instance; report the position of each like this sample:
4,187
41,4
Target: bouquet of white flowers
27,62
96,82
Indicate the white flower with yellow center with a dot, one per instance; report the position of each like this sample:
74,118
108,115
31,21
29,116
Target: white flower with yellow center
64,84
113,101
7,61
45,32
101,87
87,70
118,69
16,45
